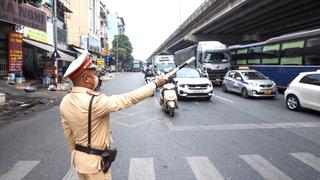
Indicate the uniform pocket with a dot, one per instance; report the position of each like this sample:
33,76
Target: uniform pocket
86,163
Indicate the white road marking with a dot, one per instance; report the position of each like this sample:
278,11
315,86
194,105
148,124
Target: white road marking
224,99
248,126
19,170
308,159
203,169
141,169
264,167
71,175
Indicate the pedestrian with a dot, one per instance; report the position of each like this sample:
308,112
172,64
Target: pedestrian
85,118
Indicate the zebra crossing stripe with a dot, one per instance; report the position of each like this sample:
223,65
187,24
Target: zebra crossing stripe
19,170
308,159
71,175
141,169
264,167
203,169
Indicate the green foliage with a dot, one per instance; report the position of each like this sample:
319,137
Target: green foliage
122,45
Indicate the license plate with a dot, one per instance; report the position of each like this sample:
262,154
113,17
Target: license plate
197,91
267,91
218,79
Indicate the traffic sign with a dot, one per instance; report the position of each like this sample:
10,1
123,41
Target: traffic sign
55,54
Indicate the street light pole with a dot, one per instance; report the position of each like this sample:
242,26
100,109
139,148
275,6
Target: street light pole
117,52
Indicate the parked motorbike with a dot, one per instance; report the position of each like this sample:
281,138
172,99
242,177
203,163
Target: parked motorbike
168,94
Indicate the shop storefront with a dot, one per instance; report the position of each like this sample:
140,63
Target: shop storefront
5,28
13,16
39,65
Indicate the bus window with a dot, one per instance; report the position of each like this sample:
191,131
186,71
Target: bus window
293,45
312,52
241,57
233,54
292,53
270,54
255,54
291,60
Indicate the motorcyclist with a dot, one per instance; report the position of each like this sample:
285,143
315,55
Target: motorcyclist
148,73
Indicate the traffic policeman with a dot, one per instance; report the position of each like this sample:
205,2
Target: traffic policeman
85,118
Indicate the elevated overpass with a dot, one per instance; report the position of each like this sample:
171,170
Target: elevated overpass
241,21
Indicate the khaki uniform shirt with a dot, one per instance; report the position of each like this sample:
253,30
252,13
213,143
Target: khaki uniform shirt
74,117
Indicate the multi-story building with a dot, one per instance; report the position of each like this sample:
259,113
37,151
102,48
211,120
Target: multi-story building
87,25
39,45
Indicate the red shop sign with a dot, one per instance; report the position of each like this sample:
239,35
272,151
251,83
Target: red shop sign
15,52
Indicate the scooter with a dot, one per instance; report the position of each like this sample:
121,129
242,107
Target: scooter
168,94
168,98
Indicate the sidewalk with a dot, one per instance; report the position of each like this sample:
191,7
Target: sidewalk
20,104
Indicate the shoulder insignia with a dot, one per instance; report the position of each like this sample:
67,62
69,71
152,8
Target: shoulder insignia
94,93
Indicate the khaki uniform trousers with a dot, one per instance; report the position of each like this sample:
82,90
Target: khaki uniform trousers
97,176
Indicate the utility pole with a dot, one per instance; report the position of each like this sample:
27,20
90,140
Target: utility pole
54,23
117,60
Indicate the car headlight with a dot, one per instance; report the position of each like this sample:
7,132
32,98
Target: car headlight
273,83
209,85
182,85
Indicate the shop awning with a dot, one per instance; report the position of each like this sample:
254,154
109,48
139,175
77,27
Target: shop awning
49,48
78,49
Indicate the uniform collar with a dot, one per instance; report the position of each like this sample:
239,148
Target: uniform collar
78,89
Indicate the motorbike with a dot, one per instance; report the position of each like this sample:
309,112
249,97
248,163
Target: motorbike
168,97
168,94
100,75
149,76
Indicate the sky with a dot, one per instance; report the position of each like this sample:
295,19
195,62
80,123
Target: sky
150,22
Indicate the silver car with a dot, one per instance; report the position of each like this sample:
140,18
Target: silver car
249,83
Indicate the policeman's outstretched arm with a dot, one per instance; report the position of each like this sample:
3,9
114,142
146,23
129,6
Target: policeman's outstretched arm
161,80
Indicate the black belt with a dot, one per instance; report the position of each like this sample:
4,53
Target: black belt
87,150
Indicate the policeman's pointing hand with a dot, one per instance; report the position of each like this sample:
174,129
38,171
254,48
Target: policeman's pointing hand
161,80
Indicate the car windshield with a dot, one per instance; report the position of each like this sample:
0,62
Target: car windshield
188,73
136,65
216,57
168,65
253,75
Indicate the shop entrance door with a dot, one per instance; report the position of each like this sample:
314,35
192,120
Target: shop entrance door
3,62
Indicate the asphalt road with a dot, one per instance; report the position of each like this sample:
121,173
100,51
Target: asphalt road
228,137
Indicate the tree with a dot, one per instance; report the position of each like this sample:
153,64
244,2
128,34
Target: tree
122,46
29,1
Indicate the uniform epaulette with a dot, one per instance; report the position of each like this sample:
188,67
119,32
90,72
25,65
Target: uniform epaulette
94,93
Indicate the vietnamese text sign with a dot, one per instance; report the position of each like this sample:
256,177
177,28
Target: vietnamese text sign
23,14
15,52
35,34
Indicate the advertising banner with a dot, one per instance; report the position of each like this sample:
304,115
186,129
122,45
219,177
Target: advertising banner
23,14
15,52
100,63
35,34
